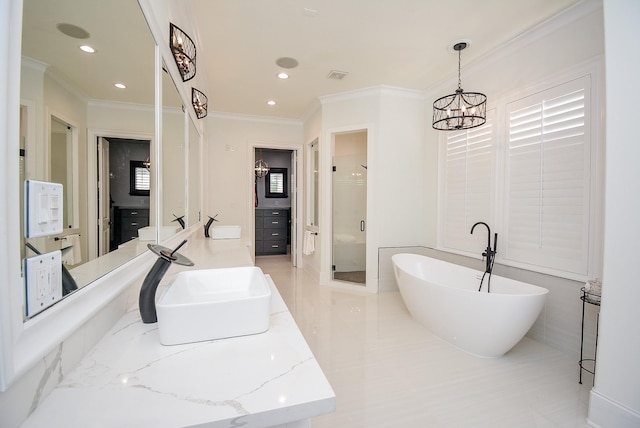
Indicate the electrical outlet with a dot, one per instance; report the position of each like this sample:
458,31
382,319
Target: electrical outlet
43,281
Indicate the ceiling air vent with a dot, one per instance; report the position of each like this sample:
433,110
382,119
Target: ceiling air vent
337,75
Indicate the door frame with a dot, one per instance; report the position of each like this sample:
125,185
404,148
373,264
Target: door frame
295,190
92,172
326,211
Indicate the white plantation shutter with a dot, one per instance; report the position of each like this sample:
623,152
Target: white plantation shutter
468,161
142,179
547,189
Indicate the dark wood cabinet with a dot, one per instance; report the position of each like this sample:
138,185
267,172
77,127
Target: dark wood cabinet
272,231
127,221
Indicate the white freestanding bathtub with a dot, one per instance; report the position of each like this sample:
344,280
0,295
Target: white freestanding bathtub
444,297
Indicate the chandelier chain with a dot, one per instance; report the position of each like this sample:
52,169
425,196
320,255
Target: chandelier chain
459,66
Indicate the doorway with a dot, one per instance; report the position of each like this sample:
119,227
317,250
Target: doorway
275,201
123,190
349,207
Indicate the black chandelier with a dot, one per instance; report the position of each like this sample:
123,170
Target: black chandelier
184,52
461,110
200,103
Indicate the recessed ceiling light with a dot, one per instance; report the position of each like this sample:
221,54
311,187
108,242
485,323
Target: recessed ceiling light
120,85
271,102
87,48
283,75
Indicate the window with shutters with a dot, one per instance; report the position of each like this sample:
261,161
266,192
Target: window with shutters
539,196
547,193
468,162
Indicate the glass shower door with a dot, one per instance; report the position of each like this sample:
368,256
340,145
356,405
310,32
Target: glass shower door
349,217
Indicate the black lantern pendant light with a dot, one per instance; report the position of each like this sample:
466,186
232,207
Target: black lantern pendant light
461,110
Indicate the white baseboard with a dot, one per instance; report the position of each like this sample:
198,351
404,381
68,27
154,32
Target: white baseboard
605,413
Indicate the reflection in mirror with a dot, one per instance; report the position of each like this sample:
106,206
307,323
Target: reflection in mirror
173,160
128,206
64,166
65,95
139,178
276,183
194,175
313,183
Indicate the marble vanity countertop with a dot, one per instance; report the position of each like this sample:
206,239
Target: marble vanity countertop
130,380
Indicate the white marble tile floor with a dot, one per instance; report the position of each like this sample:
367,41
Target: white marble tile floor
389,371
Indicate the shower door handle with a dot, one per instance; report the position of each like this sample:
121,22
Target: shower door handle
361,225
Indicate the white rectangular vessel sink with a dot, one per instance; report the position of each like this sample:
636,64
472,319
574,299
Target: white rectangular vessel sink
214,304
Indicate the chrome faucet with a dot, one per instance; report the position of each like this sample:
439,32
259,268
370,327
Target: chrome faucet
147,299
489,254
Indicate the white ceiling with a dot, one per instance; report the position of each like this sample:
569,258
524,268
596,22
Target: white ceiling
401,43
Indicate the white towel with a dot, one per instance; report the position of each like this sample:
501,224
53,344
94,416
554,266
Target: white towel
71,251
309,245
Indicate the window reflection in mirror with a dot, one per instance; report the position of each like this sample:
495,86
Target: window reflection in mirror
65,96
173,159
139,178
276,185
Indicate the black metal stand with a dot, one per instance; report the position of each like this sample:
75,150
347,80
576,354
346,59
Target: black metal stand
592,299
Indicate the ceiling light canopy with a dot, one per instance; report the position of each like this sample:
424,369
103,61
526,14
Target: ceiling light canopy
460,110
73,31
184,52
287,62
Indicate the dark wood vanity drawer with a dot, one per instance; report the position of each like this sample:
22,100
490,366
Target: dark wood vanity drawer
275,223
274,247
273,234
275,213
272,231
127,221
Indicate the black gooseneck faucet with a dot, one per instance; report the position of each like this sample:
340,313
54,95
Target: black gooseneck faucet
489,254
208,225
147,299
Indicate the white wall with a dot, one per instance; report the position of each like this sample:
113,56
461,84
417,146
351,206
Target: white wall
229,158
395,168
557,46
615,399
312,130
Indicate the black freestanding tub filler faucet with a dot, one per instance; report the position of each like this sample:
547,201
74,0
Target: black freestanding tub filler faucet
147,300
489,255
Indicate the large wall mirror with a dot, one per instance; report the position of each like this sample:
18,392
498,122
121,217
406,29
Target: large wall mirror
71,109
173,159
193,204
72,125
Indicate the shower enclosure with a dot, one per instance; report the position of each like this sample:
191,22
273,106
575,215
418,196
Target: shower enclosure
349,217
